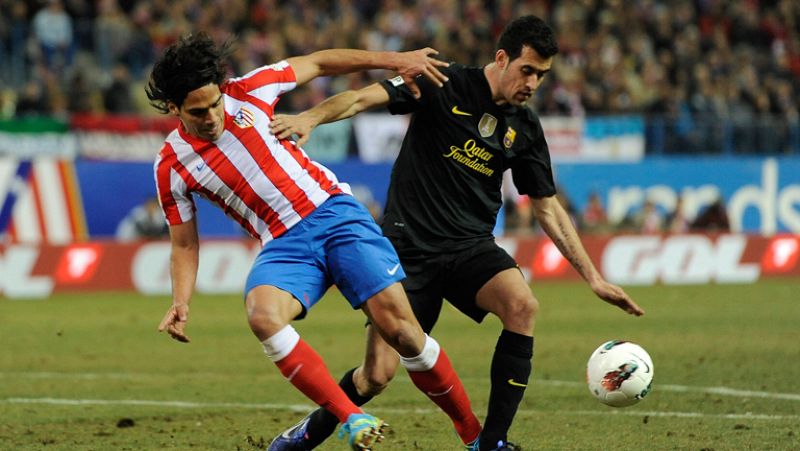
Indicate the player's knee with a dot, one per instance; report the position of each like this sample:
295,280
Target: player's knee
263,327
521,309
406,338
265,324
375,381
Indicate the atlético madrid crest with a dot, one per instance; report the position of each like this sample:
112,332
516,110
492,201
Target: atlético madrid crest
244,118
487,125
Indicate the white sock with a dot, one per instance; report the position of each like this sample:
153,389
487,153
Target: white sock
281,344
426,359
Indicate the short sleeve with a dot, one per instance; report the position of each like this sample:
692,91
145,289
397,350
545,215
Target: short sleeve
532,169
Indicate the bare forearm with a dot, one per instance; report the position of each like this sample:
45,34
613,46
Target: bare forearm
341,106
343,61
348,104
556,222
558,226
183,269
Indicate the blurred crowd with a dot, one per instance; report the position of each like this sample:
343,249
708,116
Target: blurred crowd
696,64
650,218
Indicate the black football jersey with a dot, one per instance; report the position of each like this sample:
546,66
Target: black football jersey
445,189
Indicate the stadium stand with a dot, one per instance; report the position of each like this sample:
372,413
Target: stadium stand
711,76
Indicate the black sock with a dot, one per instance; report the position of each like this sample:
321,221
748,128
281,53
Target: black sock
322,423
511,368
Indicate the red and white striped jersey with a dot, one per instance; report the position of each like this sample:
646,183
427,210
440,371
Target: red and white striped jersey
264,183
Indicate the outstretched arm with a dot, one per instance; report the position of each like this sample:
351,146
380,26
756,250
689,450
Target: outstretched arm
183,269
557,224
343,61
338,107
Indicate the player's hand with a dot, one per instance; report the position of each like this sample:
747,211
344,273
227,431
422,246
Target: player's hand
421,62
615,295
285,125
174,322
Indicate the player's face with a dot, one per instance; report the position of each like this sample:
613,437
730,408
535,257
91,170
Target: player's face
202,113
520,77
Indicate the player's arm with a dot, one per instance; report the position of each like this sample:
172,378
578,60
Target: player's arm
341,106
555,221
343,61
183,269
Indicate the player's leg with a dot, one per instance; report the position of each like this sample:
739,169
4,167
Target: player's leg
423,289
508,296
286,280
365,267
427,364
360,384
269,311
486,279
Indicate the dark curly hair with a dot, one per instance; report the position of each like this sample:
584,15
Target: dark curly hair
531,31
191,63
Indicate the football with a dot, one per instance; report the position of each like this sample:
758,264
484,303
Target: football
619,373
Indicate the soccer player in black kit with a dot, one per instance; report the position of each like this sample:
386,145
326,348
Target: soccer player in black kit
444,196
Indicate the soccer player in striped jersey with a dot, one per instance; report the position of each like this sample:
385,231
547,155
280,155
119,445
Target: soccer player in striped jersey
444,196
314,234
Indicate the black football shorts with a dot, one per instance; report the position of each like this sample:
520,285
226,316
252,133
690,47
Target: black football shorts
455,276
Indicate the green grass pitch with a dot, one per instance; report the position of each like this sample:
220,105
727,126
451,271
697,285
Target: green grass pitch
90,372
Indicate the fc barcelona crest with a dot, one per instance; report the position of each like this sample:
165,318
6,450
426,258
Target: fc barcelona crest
244,118
487,125
508,139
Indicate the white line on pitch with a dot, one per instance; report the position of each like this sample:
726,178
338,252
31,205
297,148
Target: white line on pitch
721,391
302,408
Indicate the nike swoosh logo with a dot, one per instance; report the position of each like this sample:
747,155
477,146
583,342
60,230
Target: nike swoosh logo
289,433
199,167
441,393
455,110
516,384
394,269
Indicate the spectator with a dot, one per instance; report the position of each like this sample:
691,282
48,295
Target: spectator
677,222
81,97
112,34
52,28
143,222
117,97
593,216
14,29
709,75
713,219
32,100
650,219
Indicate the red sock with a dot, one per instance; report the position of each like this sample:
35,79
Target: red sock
304,368
442,385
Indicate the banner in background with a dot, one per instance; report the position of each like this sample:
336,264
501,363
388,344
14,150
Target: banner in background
570,139
330,143
762,195
121,138
611,139
31,271
379,136
40,201
37,137
63,200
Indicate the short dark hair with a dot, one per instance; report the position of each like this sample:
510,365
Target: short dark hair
190,63
531,31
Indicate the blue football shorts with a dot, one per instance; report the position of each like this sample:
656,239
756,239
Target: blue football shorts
337,244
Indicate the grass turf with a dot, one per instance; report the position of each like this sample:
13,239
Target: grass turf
90,372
